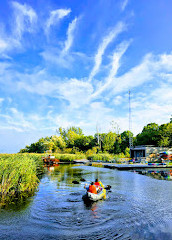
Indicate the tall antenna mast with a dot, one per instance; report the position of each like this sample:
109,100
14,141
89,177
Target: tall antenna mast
130,135
97,134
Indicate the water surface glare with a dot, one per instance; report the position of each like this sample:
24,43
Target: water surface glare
138,207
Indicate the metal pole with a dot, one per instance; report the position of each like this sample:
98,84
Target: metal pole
130,136
97,134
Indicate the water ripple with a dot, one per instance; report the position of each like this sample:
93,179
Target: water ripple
138,207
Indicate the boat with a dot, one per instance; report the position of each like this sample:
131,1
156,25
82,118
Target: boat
95,197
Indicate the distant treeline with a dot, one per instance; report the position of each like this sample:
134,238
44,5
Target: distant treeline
72,140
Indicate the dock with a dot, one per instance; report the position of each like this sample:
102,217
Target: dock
132,166
83,161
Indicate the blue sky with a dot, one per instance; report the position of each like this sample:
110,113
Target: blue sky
72,63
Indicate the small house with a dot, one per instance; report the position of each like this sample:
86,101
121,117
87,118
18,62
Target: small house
148,152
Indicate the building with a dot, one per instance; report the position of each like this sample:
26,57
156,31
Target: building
148,152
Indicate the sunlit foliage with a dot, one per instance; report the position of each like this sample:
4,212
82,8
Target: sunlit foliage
73,141
19,176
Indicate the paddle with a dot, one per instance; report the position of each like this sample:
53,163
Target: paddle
108,187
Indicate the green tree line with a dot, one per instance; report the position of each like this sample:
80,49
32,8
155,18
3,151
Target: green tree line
72,140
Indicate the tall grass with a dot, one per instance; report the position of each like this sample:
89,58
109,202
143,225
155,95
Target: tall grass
18,176
101,156
69,157
38,161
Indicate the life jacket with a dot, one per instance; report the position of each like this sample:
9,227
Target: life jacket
97,183
92,189
101,184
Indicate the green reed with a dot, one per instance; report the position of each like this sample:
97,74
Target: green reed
101,156
19,176
69,157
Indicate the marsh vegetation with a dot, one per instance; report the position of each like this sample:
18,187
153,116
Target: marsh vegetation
19,176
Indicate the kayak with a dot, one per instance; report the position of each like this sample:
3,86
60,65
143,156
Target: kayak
95,197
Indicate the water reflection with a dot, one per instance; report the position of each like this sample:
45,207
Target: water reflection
93,207
136,208
160,174
67,174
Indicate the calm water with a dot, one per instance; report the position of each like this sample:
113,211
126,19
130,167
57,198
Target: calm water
138,207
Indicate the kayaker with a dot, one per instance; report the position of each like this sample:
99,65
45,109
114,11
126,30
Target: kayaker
92,188
98,183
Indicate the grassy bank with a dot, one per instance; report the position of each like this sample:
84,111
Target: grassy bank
18,176
69,157
104,157
101,157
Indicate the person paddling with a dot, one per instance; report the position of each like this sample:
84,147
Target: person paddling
92,188
98,183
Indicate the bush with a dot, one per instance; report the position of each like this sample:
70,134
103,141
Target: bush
69,157
102,157
91,151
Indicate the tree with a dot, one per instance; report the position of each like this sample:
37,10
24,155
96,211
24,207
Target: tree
165,134
163,142
108,142
84,143
149,135
125,140
117,145
59,142
127,152
64,132
38,147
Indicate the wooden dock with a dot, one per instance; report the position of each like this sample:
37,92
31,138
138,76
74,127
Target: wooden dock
132,166
83,161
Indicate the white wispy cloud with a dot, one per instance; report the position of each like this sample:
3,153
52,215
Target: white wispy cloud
118,100
124,4
55,17
15,120
77,92
3,45
23,122
4,68
98,113
150,67
44,88
56,57
59,56
70,36
25,19
165,61
120,27
120,50
1,100
8,43
136,76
